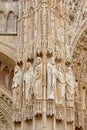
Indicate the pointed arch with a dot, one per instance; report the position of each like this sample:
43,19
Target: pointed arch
11,22
2,21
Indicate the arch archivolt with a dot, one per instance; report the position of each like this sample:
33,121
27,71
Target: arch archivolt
79,57
6,110
78,35
7,63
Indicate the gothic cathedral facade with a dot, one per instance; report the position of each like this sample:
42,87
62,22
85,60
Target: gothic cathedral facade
43,65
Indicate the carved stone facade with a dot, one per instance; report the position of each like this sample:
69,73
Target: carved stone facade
53,92
8,47
43,64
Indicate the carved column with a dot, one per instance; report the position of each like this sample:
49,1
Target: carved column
44,86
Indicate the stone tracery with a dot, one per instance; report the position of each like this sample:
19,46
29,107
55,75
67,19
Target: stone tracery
79,67
49,29
50,35
6,109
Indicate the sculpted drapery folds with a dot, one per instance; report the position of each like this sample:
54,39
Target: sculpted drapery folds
16,86
60,89
55,82
77,93
51,79
70,86
28,83
38,73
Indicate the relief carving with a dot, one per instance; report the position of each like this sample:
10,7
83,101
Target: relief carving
70,85
55,82
16,86
28,83
38,73
51,79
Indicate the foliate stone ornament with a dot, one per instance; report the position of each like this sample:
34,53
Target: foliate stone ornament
50,108
19,56
38,73
44,22
30,58
17,115
28,112
39,52
58,58
49,52
37,107
28,83
60,113
16,86
20,63
59,53
70,116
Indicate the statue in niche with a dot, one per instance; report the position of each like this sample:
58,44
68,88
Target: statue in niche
51,79
16,86
70,86
60,89
55,79
38,78
28,83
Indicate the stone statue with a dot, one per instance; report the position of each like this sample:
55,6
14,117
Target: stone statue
60,89
51,79
70,86
27,82
54,77
38,78
16,86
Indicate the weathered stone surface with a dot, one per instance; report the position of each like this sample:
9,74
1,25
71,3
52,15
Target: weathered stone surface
47,41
